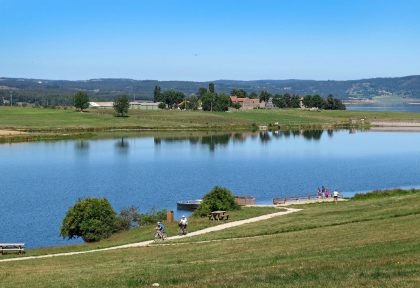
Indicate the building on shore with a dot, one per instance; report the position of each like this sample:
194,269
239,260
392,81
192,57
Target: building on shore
144,105
101,104
247,103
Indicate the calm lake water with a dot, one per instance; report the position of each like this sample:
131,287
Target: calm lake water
40,181
401,108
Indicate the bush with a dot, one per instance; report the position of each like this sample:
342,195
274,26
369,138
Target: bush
218,198
152,217
128,218
92,219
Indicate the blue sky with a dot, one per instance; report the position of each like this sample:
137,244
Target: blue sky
207,40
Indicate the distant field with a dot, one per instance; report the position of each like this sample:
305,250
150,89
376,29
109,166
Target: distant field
50,120
360,243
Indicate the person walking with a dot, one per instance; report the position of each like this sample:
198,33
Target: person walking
327,193
335,195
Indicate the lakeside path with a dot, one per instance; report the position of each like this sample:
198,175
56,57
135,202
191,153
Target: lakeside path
147,243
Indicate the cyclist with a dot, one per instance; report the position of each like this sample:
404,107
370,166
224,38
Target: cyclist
160,229
183,223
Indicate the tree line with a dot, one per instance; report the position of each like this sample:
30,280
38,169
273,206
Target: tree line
209,100
207,97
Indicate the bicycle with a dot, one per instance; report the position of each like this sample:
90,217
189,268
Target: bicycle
182,230
160,236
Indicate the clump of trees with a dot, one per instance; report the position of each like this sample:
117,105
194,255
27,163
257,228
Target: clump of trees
121,105
286,101
81,101
93,219
330,103
169,98
212,101
219,198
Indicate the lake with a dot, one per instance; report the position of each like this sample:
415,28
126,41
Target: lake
40,181
396,108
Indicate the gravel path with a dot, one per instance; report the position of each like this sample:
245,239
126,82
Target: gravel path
147,243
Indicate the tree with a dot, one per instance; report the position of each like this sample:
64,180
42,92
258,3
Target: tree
81,100
207,101
215,102
253,95
295,101
121,105
264,96
279,102
128,218
92,219
171,98
222,102
332,103
156,94
219,198
238,93
189,103
211,87
318,101
201,92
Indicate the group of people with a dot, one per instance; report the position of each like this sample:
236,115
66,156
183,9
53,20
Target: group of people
323,192
183,223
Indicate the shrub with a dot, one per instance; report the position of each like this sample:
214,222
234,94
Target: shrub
152,217
128,218
218,198
92,219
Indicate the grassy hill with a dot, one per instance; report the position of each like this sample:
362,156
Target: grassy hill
371,242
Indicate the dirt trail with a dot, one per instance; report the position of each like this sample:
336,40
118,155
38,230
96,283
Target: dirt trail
147,243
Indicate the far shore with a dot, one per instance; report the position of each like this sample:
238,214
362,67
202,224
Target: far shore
20,124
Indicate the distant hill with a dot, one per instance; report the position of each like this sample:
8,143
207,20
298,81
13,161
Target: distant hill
58,92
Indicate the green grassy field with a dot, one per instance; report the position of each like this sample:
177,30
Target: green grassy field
39,119
145,233
372,242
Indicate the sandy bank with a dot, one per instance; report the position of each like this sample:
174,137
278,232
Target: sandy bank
10,132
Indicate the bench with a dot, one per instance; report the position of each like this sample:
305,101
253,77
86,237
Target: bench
12,247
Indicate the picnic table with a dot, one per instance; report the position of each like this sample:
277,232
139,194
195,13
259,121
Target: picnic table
12,247
218,215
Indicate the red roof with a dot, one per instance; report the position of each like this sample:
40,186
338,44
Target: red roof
235,99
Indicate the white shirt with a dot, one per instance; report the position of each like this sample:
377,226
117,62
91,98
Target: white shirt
184,221
335,194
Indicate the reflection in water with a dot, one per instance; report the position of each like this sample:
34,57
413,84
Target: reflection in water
312,134
264,136
122,146
212,141
81,147
330,132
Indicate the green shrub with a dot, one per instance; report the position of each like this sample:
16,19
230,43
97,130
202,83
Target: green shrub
218,198
152,217
128,218
92,219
